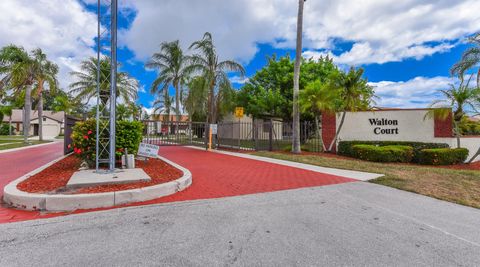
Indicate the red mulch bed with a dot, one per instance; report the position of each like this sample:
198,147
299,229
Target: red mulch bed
54,178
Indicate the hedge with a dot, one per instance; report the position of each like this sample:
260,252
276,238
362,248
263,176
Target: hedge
443,156
392,153
345,147
4,129
128,135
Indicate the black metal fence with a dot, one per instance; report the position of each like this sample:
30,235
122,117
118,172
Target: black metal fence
258,135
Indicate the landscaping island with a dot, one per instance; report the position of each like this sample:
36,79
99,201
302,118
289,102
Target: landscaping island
46,188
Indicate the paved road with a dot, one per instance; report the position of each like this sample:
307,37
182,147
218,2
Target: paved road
349,224
20,162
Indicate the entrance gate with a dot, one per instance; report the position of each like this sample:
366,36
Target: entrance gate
174,133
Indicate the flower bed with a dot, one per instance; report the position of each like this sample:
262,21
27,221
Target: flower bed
54,178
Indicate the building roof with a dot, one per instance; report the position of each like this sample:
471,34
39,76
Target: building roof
17,115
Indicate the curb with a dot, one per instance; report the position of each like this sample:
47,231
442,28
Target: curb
357,175
62,202
27,147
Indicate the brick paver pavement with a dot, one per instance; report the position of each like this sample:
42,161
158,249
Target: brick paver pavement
214,176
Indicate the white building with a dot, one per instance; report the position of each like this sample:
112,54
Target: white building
53,122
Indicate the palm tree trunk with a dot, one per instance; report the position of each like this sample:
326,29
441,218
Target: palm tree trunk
318,132
457,134
474,156
26,117
296,77
342,120
177,106
40,117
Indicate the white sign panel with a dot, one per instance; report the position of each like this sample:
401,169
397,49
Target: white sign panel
148,150
213,128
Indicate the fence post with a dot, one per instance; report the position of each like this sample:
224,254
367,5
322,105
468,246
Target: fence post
270,136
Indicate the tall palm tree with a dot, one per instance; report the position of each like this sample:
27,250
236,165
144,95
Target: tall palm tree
459,98
319,98
170,63
470,59
85,86
18,70
46,73
205,62
296,148
355,95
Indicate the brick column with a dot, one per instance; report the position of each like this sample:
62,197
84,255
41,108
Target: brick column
443,127
329,128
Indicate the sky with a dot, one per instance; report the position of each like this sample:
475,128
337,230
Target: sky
406,47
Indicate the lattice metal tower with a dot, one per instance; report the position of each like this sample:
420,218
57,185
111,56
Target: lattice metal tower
106,83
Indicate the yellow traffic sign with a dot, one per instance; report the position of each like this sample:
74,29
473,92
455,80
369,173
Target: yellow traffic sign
239,112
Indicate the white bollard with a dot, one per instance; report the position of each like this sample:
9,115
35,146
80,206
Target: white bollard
130,161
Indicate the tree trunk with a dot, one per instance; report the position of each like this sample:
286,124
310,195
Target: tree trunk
296,148
40,117
26,117
342,120
457,134
177,106
318,132
474,156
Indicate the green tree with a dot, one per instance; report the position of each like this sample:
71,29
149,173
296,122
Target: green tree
205,62
171,64
196,98
85,86
355,95
46,73
18,70
470,59
458,98
296,80
319,98
276,77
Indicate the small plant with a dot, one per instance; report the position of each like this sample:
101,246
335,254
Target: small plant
443,156
392,153
128,136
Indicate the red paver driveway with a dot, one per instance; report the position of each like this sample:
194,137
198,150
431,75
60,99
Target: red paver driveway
17,163
217,175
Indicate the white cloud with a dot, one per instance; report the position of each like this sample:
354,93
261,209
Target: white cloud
381,31
418,92
238,79
63,29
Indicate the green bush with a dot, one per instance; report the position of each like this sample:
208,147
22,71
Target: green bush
4,130
443,156
392,153
128,136
345,147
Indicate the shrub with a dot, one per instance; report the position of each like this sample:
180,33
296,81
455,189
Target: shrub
443,156
128,135
4,129
392,153
345,147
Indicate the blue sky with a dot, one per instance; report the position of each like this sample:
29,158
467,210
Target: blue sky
405,47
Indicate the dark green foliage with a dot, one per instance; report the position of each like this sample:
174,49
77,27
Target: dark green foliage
129,136
443,156
4,129
391,153
345,147
269,93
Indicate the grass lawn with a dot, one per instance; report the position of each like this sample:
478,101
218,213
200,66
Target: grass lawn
458,186
20,144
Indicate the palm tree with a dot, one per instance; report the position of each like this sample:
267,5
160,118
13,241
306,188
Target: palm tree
86,85
171,65
205,62
470,59
46,73
296,148
18,70
355,95
459,98
318,98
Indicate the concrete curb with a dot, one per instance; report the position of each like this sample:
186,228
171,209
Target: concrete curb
357,175
27,147
62,202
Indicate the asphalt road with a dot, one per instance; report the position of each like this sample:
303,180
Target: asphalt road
352,224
